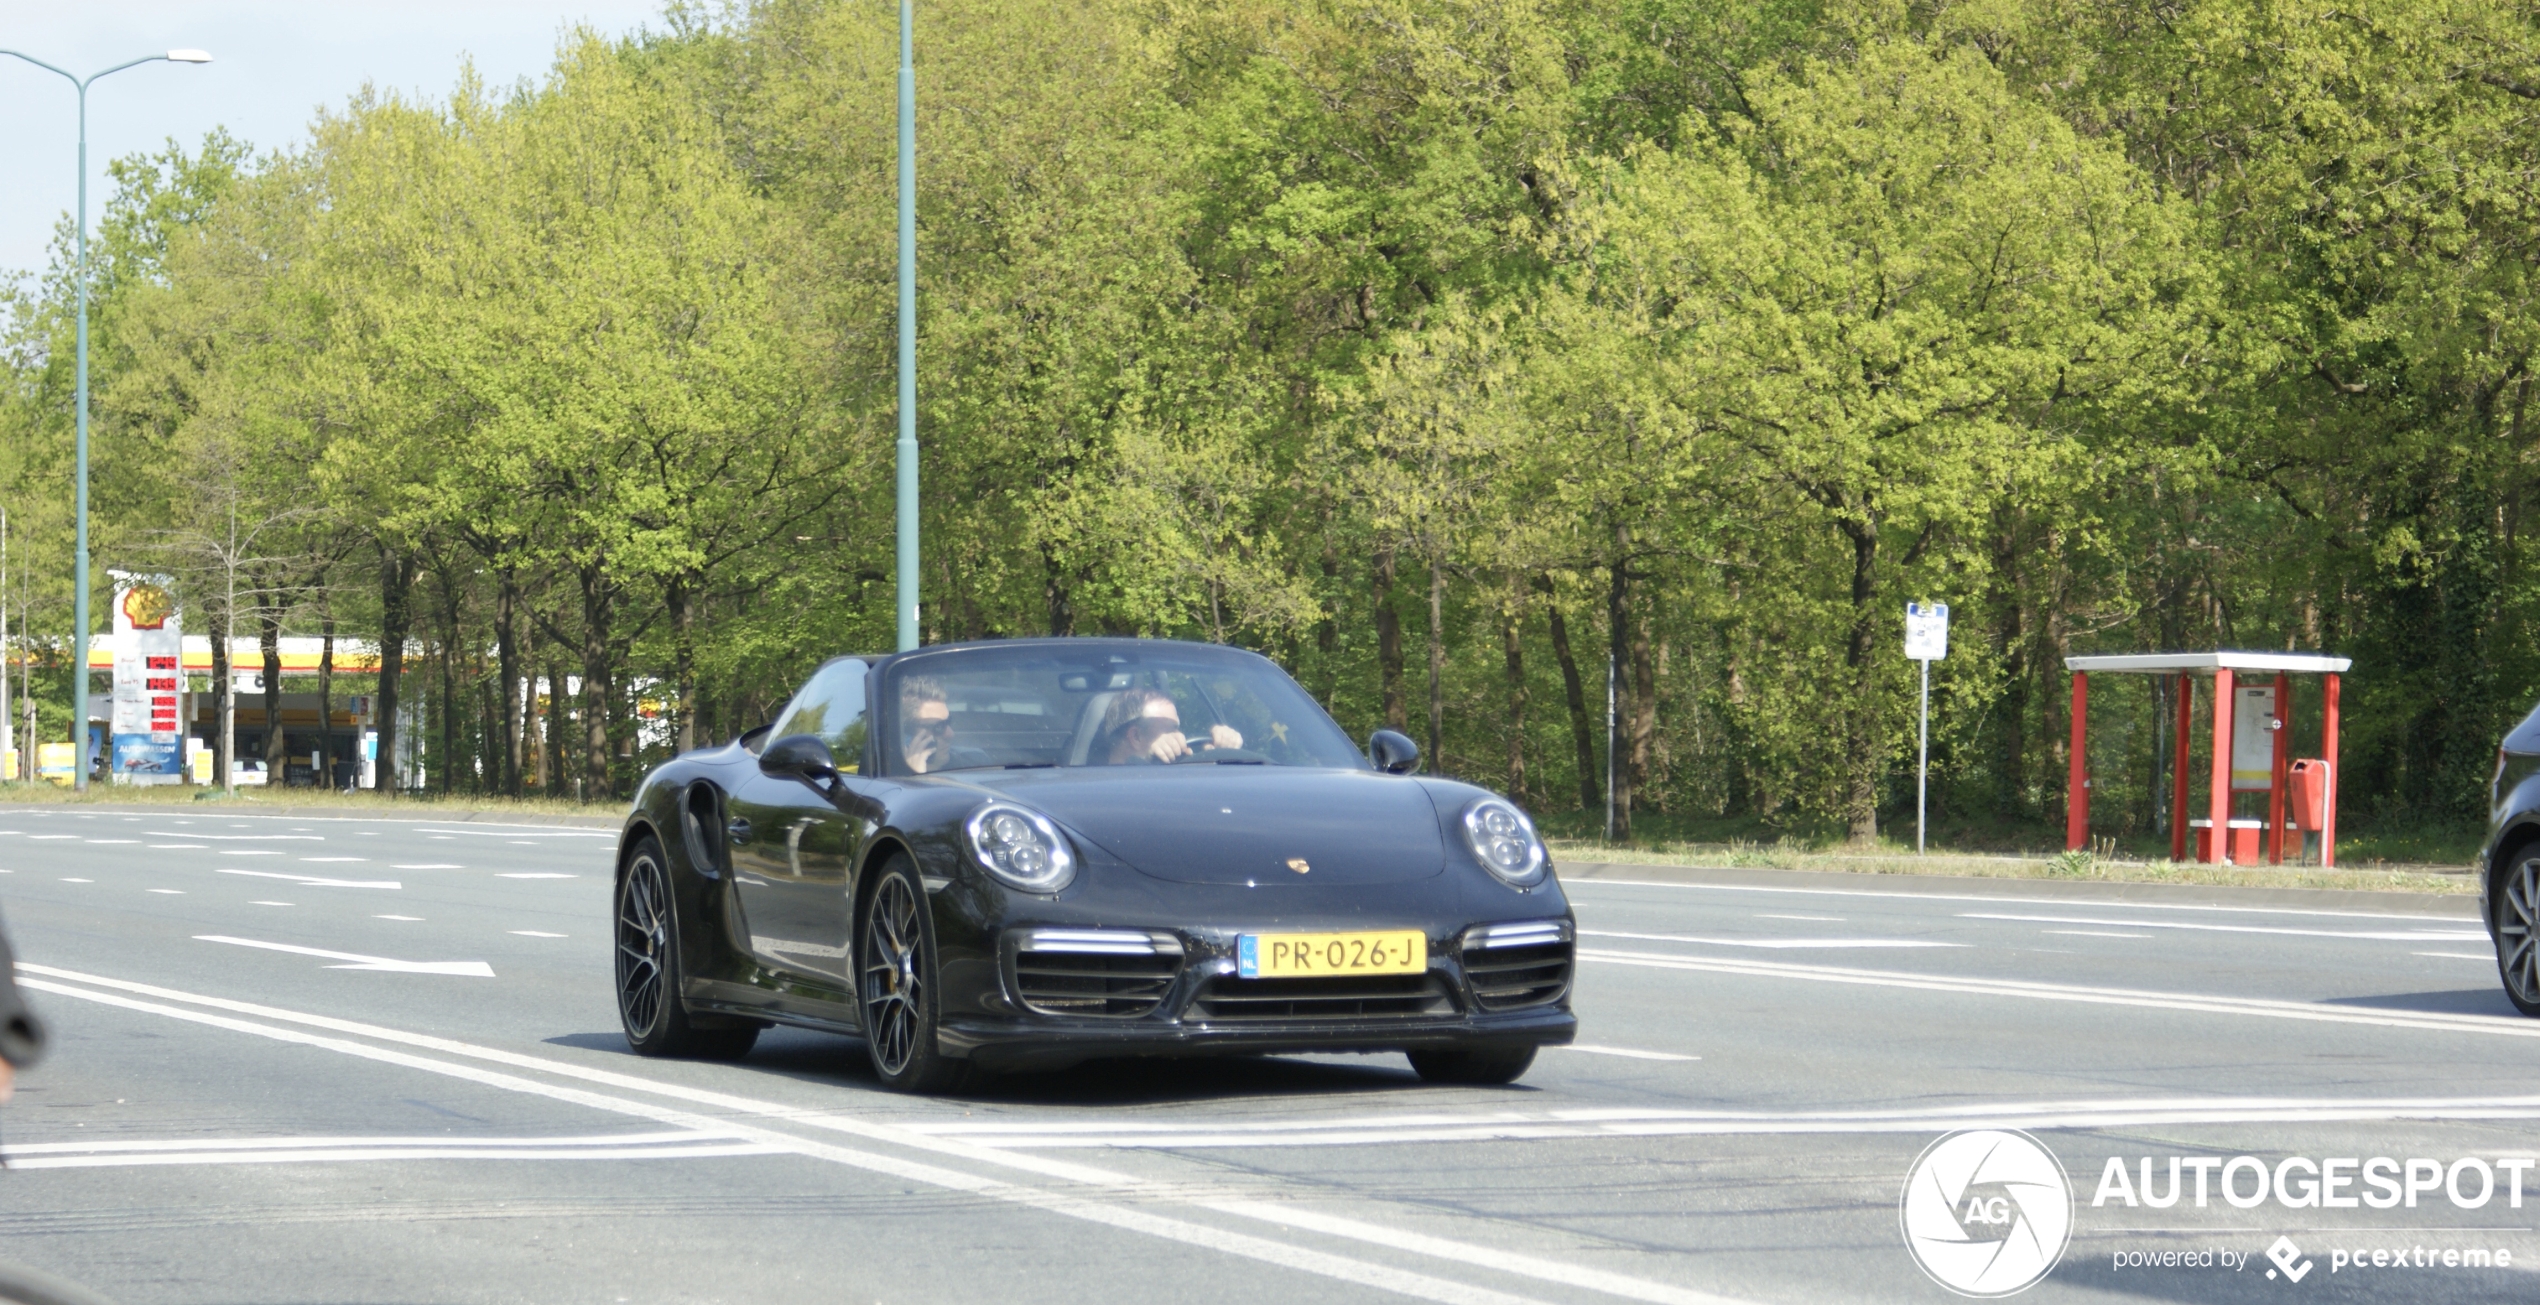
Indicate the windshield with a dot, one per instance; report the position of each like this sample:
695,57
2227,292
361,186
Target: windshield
1106,705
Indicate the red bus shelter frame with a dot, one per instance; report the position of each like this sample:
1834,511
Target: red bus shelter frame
2224,668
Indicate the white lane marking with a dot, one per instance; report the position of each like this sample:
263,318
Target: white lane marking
312,1150
100,1146
79,881
1594,1049
515,834
447,1153
745,1105
270,903
1821,919
11,832
2294,1010
2095,933
114,840
35,838
179,847
525,842
396,917
431,865
535,933
337,859
464,969
2084,902
2412,935
313,881
240,838
533,876
1385,1277
1810,943
249,851
172,892
2458,956
1572,1275
443,838
1386,1130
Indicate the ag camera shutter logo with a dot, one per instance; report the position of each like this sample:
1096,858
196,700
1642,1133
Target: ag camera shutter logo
1987,1212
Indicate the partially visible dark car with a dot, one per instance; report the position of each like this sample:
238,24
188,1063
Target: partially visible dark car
2509,863
1024,854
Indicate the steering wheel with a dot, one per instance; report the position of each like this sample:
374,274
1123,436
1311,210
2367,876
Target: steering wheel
1209,756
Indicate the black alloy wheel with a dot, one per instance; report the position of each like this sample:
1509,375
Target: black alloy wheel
657,1023
2517,916
1473,1066
895,983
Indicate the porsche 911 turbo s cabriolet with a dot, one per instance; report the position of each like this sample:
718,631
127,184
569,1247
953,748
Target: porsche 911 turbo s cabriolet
1007,856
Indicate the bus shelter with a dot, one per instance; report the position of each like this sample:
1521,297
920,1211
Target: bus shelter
2252,704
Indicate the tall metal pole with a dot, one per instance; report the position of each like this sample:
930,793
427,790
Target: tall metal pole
1922,760
907,598
8,722
1609,747
79,564
79,576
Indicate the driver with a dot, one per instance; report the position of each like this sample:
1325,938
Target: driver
1144,725
926,730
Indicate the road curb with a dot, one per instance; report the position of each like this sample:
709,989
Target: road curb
402,816
2317,899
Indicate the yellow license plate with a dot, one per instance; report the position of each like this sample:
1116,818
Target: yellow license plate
1305,955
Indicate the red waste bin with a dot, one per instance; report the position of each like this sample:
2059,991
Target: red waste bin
2309,782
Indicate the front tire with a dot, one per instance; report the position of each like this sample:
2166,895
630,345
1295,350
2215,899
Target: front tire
896,987
1473,1066
648,1004
2516,911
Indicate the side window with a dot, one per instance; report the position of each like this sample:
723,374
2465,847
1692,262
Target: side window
832,707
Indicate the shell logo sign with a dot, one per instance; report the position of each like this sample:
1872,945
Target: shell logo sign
148,606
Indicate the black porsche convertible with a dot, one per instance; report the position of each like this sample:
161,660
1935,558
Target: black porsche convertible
997,857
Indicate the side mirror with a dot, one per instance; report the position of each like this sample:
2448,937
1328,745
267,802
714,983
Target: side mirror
802,756
1393,752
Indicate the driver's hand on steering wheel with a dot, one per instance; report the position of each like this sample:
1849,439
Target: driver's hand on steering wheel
1169,745
1224,736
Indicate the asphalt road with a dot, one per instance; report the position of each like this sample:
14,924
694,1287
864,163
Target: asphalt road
335,1061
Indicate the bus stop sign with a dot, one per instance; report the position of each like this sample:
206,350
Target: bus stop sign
1927,631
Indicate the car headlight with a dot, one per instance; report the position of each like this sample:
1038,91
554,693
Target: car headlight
1020,847
1504,841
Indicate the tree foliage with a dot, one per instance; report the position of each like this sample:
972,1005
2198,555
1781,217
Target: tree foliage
1456,353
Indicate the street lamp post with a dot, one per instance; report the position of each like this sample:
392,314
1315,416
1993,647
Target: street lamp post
79,574
906,599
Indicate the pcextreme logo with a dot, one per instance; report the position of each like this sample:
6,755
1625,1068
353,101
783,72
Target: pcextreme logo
1987,1212
2282,1255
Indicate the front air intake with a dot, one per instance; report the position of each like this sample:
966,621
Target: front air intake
1105,972
1509,966
1353,998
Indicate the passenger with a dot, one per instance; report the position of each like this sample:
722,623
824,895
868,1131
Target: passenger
926,731
1144,725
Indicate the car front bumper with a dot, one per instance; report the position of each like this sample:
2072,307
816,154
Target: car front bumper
1046,1043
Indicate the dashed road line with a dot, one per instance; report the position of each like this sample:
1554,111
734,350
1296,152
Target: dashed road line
2496,1025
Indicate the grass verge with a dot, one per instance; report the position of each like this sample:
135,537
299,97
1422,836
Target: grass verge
248,799
2076,867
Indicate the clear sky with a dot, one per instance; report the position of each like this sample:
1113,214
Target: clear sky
274,63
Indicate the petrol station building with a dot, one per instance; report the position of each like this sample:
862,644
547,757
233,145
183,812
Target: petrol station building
351,725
